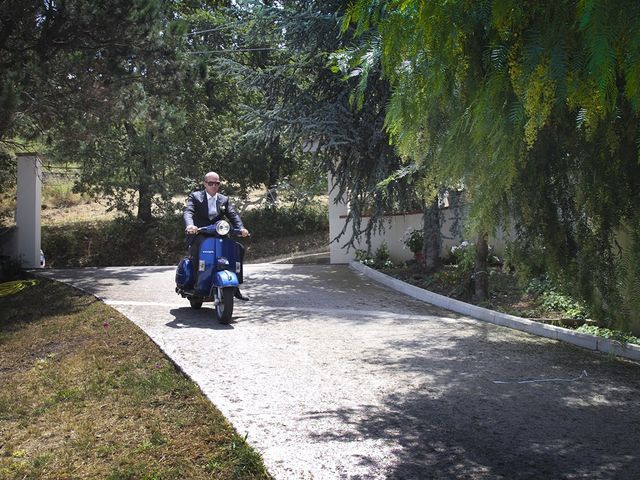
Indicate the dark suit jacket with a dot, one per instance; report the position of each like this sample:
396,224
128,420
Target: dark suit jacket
196,211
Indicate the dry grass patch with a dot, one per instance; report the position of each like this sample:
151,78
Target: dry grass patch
87,395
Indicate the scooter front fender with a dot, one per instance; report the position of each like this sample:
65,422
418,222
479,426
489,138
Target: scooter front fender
225,278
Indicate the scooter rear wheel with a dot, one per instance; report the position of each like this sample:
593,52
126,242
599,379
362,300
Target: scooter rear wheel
224,304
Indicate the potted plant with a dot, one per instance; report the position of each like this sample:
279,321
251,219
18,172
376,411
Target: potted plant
414,240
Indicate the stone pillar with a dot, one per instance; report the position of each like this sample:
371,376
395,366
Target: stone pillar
28,209
337,213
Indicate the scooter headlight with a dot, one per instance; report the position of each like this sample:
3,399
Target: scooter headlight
222,263
222,227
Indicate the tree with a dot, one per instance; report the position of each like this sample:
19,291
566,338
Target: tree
115,89
301,102
60,57
534,107
72,66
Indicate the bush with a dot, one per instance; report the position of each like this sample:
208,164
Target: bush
621,337
128,241
379,260
272,222
464,257
414,240
526,259
123,241
60,195
552,297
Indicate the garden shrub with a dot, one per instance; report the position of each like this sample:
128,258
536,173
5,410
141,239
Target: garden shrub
272,222
129,241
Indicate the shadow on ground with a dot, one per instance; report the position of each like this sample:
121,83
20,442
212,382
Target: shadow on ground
461,424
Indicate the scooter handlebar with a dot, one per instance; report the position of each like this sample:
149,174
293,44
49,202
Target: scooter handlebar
212,230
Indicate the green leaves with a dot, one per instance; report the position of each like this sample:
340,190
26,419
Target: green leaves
534,107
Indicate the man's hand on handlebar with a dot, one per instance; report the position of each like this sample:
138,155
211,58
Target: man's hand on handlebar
192,230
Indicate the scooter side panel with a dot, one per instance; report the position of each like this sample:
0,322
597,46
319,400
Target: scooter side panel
184,274
206,267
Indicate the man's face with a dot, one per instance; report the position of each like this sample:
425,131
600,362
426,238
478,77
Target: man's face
212,183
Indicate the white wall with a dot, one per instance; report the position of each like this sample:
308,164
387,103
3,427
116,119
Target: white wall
396,227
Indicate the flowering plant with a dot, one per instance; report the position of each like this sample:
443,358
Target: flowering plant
414,240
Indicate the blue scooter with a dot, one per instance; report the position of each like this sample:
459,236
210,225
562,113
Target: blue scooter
215,277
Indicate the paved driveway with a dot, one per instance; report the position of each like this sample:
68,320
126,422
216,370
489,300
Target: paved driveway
332,376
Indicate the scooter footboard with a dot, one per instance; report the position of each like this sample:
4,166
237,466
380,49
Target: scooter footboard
225,278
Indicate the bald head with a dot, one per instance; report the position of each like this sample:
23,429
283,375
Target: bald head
211,183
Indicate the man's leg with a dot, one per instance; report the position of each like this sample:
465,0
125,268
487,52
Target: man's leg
240,252
194,252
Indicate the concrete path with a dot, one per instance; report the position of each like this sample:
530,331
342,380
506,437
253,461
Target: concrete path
333,376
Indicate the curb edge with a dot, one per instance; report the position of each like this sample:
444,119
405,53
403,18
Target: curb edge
584,340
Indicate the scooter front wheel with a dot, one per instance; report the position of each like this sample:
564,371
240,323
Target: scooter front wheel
224,304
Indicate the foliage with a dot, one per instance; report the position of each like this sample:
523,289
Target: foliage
73,81
10,268
526,258
66,62
381,255
629,281
535,108
558,302
304,110
274,222
552,296
615,335
51,52
60,195
379,260
127,241
464,255
131,102
7,172
414,239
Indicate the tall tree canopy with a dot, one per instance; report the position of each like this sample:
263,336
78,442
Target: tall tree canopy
62,56
535,108
115,88
73,70
302,103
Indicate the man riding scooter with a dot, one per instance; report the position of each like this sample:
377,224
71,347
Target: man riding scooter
206,207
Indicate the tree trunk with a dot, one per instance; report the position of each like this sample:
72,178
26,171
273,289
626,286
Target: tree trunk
145,194
274,172
432,236
144,204
145,174
481,274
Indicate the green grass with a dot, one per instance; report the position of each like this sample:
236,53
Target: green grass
87,395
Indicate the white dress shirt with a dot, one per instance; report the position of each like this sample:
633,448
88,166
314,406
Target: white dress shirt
211,201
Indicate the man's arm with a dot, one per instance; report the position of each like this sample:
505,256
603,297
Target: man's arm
188,213
234,217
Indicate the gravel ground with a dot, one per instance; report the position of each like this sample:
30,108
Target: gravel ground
332,376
